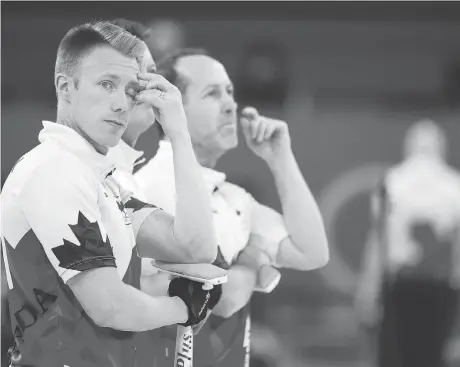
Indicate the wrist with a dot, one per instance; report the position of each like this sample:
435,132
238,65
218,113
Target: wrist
251,265
182,309
253,258
280,160
180,137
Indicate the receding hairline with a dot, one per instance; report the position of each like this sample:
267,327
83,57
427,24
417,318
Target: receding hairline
185,76
188,58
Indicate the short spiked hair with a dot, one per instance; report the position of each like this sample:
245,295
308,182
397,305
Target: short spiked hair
81,40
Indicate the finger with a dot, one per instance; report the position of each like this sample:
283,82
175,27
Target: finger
151,97
142,85
254,127
261,131
250,112
155,81
149,76
269,132
160,85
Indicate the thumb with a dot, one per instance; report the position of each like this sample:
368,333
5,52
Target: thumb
250,112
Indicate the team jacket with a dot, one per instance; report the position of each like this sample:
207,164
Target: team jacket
63,213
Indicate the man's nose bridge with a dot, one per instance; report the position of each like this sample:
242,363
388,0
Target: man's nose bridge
229,105
120,100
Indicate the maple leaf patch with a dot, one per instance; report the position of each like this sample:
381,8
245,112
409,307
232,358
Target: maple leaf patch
136,204
92,247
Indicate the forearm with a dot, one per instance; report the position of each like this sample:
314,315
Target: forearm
238,290
155,285
156,239
193,222
132,310
300,211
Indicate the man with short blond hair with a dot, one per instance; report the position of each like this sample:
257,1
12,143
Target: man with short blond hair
72,236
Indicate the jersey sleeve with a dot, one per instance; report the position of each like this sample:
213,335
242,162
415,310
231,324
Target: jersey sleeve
138,211
60,204
127,186
158,187
134,202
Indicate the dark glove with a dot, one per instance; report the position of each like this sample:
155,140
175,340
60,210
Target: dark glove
216,293
195,298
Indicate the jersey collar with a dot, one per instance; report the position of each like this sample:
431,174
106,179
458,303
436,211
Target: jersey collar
70,140
126,157
213,179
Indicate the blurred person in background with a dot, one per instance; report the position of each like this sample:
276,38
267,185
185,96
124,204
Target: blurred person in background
72,236
252,238
411,271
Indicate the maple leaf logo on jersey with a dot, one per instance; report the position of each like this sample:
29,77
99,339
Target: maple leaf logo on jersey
92,247
136,204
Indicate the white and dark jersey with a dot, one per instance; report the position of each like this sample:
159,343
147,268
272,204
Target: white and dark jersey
236,214
423,219
63,213
237,217
126,159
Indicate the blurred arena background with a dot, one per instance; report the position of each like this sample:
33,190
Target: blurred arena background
348,78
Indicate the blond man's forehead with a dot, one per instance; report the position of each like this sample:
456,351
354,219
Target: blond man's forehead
108,59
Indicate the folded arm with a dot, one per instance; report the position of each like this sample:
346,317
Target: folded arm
62,210
111,303
188,235
242,280
193,222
